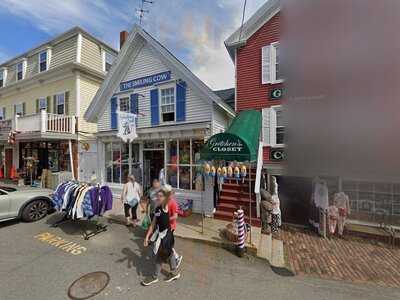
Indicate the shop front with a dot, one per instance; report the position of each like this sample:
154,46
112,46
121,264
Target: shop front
175,114
34,157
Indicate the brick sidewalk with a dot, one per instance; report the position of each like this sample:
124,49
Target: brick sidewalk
355,261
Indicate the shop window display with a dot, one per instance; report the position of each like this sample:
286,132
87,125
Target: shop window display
184,166
117,161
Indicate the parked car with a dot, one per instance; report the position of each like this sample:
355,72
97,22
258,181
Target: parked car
26,203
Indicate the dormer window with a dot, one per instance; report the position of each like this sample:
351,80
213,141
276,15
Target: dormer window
20,70
43,61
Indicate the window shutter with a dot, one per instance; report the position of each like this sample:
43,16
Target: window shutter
55,104
266,126
48,98
272,124
114,115
37,106
4,114
23,109
66,103
181,101
15,109
155,111
266,64
134,105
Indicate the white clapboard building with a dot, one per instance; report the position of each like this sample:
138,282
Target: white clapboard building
176,112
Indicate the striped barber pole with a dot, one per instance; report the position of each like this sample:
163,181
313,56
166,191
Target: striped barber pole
241,231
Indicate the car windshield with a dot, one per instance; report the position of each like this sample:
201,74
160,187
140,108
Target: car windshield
8,189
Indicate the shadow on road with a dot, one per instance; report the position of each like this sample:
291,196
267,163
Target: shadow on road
141,258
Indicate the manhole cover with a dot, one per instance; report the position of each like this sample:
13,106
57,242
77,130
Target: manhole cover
88,285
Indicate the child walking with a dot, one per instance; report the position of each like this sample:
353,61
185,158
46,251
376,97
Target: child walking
161,235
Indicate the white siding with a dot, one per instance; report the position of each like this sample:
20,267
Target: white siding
64,52
220,121
147,63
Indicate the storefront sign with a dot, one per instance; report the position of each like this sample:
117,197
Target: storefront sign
225,145
277,154
145,81
127,126
276,94
60,243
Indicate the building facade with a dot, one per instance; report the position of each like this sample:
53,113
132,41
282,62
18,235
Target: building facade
254,50
176,113
43,96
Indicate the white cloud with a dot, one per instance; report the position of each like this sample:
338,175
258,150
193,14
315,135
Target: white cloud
195,36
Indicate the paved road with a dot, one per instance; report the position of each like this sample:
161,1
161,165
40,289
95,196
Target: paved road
33,269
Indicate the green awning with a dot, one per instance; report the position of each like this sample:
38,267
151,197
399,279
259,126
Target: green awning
239,142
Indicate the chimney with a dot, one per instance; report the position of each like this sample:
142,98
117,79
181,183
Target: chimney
123,36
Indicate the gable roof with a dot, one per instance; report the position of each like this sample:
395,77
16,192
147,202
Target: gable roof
55,40
228,96
256,21
137,39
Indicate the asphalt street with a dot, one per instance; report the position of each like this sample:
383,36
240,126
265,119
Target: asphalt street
38,262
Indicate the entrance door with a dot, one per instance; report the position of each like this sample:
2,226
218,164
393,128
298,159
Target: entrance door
152,165
43,156
8,162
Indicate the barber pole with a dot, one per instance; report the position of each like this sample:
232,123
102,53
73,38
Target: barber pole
241,232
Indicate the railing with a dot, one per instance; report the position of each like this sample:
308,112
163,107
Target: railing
260,161
45,122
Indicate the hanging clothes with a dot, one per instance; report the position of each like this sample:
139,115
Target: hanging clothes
80,200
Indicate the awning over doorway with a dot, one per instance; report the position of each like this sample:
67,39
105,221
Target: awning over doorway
239,142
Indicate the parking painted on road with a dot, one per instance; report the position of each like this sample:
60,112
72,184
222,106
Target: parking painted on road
60,243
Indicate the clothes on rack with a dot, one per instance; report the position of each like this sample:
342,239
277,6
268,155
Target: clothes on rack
80,200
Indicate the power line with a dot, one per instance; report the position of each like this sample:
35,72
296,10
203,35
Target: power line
143,11
244,13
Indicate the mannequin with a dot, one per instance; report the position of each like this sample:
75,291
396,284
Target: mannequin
342,203
320,198
276,220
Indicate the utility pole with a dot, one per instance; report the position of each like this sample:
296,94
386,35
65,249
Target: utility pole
143,11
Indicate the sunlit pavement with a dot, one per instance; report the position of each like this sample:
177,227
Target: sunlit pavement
35,266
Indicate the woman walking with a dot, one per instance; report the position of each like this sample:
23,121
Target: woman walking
161,235
130,197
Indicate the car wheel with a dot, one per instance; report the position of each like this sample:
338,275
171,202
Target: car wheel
35,211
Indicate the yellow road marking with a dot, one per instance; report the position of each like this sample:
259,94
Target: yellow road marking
60,243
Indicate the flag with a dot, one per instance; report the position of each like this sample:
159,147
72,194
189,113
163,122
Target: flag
127,126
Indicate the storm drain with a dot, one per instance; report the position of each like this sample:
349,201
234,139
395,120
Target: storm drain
88,285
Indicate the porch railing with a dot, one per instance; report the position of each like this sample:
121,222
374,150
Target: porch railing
45,122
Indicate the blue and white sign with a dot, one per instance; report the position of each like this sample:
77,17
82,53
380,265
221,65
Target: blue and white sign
145,81
127,126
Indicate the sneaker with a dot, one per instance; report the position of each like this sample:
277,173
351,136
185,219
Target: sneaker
172,277
149,281
178,261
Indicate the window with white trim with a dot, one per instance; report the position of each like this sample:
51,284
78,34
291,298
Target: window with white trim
273,129
270,64
108,61
124,104
167,104
60,104
19,109
42,104
2,78
43,61
279,127
20,70
3,113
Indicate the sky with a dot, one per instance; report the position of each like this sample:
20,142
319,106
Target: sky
193,30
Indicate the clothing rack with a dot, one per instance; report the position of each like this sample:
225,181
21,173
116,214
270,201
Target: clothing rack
99,227
85,234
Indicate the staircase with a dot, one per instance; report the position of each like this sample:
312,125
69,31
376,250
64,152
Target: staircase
235,194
